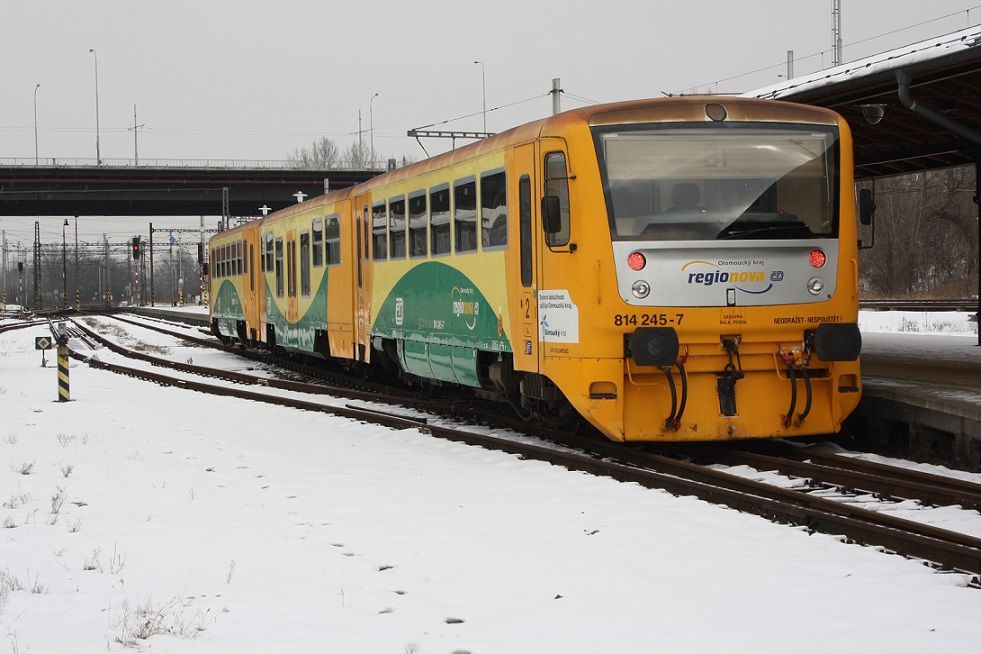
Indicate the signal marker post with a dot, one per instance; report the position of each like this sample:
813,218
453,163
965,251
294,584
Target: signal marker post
63,387
42,343
64,394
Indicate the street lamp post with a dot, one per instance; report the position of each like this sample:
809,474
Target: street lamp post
98,152
35,123
371,125
77,296
483,87
64,265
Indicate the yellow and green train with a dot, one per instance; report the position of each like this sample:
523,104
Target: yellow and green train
676,269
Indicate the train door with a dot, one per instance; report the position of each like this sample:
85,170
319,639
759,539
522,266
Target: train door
362,289
558,274
521,191
291,300
251,285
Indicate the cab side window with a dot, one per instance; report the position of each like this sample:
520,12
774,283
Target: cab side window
556,203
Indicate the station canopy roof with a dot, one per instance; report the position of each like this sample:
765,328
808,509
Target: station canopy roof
945,77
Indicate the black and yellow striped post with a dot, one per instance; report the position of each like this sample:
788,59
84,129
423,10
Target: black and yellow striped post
63,391
78,300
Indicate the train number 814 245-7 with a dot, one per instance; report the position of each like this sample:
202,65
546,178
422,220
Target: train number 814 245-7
648,319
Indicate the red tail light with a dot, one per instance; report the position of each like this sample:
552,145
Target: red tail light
817,258
636,261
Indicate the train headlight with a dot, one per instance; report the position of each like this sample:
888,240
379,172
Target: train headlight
815,285
636,261
641,289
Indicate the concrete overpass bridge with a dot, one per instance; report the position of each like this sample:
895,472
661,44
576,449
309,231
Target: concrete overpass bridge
74,187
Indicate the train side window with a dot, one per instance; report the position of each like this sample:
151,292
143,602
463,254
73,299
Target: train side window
224,261
245,260
252,268
439,219
465,214
304,263
494,209
238,257
332,238
279,267
417,224
396,227
379,231
524,221
269,252
289,268
317,248
557,185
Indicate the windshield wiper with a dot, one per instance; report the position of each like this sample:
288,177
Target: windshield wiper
797,229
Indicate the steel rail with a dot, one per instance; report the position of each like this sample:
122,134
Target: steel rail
886,480
229,375
967,490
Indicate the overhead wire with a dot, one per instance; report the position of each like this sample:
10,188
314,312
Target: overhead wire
822,52
478,113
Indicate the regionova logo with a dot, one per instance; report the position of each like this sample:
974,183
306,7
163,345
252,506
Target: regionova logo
465,306
736,273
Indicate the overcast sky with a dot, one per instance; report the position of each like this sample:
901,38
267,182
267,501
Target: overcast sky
254,80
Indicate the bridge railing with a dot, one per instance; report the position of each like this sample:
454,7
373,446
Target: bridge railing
258,164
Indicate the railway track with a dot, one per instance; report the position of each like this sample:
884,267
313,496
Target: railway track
969,304
850,475
943,548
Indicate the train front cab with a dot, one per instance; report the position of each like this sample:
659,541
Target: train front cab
712,337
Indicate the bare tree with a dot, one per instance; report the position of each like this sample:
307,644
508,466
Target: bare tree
322,153
358,155
925,236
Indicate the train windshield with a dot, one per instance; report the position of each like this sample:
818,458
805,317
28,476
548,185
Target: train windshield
720,182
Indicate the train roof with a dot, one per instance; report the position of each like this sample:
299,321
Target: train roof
668,109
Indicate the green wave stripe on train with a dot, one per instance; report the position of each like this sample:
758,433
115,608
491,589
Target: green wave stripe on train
228,308
437,303
299,335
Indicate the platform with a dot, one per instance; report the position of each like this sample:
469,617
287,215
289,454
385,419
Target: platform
921,397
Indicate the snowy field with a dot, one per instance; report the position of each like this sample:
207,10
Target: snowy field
153,518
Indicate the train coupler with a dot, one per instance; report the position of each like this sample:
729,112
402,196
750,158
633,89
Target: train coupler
733,372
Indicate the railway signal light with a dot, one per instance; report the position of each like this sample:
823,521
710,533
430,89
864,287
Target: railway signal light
136,247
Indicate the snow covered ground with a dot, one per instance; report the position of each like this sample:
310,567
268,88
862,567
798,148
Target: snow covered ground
172,521
918,322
